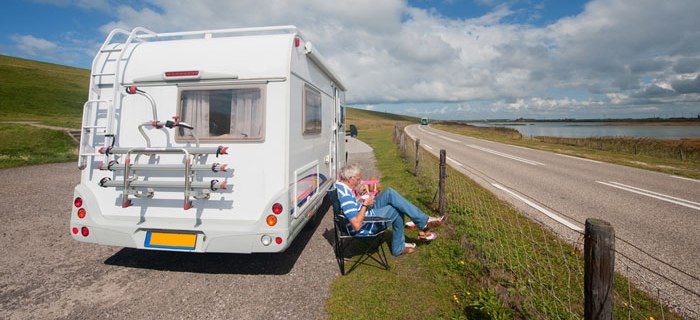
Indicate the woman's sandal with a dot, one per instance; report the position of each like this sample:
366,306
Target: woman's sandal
427,236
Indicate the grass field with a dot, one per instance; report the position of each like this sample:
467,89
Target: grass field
42,92
489,262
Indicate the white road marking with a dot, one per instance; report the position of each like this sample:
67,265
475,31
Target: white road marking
505,155
428,147
541,209
652,194
577,158
448,139
684,178
456,162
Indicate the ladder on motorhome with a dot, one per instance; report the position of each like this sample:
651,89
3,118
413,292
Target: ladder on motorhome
90,128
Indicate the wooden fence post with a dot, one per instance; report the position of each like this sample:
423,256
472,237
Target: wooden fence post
599,269
415,169
441,183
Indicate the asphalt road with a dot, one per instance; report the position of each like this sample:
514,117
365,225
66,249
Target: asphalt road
658,213
44,274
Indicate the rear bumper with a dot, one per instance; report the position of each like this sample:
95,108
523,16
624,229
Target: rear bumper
226,236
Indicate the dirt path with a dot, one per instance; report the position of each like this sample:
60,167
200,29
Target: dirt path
46,275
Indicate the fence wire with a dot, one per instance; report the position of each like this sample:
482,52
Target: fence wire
535,271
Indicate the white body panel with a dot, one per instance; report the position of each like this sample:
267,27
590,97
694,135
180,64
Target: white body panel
286,166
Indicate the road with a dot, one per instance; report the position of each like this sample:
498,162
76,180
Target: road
44,274
658,213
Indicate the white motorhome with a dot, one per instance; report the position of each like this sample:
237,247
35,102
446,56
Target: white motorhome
207,141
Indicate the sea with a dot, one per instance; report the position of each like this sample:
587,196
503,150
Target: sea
597,129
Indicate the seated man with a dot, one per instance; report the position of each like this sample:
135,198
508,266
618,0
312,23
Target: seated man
389,204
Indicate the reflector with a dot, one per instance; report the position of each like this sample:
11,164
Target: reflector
277,208
271,220
278,240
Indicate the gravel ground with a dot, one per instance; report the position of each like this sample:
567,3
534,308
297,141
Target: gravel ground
46,275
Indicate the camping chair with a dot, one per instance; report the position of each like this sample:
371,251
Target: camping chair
371,245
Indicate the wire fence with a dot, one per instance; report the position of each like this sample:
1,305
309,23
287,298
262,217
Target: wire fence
536,266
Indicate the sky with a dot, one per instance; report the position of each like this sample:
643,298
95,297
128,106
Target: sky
442,59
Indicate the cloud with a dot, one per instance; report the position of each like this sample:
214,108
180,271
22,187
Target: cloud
619,51
33,46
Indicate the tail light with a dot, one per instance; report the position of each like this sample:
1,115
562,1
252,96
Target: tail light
278,240
75,230
277,208
81,213
78,202
85,231
271,220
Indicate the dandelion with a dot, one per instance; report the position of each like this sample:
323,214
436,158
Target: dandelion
651,318
461,262
455,298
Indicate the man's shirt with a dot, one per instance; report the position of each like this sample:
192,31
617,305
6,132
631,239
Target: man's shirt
351,208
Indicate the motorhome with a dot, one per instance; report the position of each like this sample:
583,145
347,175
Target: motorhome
207,141
424,121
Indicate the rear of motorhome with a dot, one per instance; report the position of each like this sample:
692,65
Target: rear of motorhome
207,141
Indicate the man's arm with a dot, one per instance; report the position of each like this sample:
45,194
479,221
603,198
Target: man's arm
356,222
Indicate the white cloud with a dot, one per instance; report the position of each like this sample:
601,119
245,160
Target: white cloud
386,51
32,45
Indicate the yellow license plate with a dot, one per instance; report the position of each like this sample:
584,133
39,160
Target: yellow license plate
168,240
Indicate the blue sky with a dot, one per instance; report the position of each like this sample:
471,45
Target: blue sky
445,59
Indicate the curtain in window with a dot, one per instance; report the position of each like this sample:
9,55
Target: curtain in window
246,113
195,111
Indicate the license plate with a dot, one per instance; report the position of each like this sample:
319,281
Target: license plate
169,240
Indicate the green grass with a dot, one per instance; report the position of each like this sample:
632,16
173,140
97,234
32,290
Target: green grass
44,92
24,145
489,261
679,157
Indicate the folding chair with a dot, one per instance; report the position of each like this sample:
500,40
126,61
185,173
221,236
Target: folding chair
370,245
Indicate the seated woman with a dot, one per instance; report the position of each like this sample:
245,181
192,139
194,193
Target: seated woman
389,204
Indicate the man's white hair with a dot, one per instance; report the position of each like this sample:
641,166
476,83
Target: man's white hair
350,170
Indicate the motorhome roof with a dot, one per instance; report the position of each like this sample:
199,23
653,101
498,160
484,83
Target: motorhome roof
243,47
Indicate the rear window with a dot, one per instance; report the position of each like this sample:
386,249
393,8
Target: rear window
223,113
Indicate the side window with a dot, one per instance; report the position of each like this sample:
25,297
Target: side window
342,116
228,113
311,113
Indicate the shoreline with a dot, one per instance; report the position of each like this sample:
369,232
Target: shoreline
653,123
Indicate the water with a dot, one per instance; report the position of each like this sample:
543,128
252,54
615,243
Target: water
596,129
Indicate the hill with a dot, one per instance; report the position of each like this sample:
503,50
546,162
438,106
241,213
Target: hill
37,91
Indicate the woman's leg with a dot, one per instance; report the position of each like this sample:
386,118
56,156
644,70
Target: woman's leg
397,238
392,198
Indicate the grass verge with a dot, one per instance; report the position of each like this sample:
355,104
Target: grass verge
489,262
23,145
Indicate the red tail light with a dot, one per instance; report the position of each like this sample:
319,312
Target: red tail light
84,231
278,240
181,74
75,230
78,202
81,213
277,208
